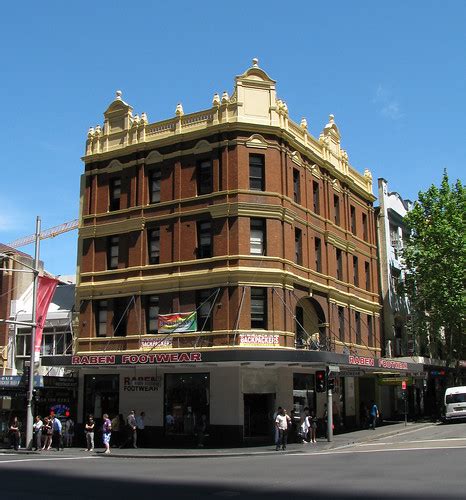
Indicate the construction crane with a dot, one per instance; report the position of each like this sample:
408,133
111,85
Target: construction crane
47,233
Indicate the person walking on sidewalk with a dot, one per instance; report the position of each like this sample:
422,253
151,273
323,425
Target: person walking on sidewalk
89,430
48,431
106,432
37,432
374,413
140,424
132,431
57,429
69,432
276,434
313,426
283,423
14,433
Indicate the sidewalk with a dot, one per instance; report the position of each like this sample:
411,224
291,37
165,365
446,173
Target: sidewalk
339,441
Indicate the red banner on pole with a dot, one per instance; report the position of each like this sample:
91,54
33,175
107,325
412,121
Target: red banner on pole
45,292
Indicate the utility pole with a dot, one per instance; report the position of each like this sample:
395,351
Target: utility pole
29,415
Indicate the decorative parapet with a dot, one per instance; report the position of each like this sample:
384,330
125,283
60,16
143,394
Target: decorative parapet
253,101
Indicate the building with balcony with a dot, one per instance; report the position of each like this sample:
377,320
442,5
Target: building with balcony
224,256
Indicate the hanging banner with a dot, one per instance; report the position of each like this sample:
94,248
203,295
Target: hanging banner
45,291
177,322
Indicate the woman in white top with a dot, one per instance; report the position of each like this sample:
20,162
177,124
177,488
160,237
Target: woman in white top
37,430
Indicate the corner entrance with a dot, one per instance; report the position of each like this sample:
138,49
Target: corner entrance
258,412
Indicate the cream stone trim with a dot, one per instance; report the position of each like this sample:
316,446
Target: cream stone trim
153,157
357,346
256,141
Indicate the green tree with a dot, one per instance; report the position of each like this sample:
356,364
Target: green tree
434,257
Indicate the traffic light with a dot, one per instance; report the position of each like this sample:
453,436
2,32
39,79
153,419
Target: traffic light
330,384
320,381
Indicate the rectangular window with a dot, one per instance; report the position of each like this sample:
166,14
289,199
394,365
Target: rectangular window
357,321
355,271
204,177
296,186
101,318
115,194
120,316
336,209
257,236
154,185
204,239
367,271
339,264
370,332
256,172
204,306
152,314
113,250
153,241
341,323
298,246
259,308
315,197
364,227
318,254
353,219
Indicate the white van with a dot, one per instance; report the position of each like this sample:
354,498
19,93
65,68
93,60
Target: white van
455,403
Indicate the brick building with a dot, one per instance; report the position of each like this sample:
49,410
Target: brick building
238,214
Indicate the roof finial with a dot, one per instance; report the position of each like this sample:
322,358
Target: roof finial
118,94
255,63
331,118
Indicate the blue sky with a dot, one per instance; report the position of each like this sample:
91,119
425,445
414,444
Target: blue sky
393,73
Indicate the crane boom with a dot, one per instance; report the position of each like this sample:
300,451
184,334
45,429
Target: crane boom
47,233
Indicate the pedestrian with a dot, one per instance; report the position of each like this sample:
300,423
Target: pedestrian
132,436
15,434
106,432
276,434
48,431
37,433
313,426
374,414
57,432
304,426
89,430
283,423
325,419
141,433
69,432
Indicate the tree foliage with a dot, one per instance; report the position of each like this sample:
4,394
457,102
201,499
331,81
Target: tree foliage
434,257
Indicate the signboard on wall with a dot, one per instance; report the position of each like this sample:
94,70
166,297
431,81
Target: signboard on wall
136,359
177,322
259,340
156,343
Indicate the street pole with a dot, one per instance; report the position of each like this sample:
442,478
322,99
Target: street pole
29,415
329,415
406,409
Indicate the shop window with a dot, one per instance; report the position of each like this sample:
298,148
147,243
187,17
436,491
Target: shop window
101,395
296,186
304,395
115,194
339,255
353,219
204,239
153,241
101,311
357,325
256,172
113,250
186,401
364,227
204,177
257,237
259,308
318,254
152,314
367,272
341,323
120,316
298,246
355,271
203,308
155,180
336,209
315,197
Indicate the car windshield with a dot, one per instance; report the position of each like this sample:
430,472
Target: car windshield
456,398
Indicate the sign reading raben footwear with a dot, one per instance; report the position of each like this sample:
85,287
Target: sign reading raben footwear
137,359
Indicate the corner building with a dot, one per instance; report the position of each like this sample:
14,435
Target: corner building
238,214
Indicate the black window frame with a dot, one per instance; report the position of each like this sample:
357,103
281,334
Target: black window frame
367,271
113,242
152,305
101,306
155,185
153,240
339,261
258,225
341,323
316,197
353,219
259,294
318,254
296,186
355,271
357,327
115,194
120,316
298,246
256,172
204,299
204,250
370,331
204,176
365,232
336,209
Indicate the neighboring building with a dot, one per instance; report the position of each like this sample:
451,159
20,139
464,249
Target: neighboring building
238,214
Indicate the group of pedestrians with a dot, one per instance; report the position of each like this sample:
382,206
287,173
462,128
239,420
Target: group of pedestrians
51,432
307,431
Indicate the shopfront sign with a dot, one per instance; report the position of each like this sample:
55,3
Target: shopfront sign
137,359
156,343
259,340
141,384
14,381
378,362
177,322
396,381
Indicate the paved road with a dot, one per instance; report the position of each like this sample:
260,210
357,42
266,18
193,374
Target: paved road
425,463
